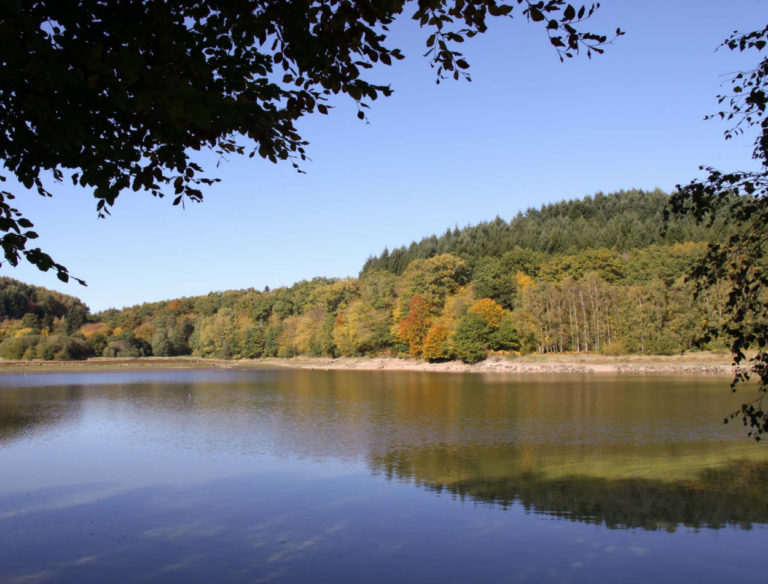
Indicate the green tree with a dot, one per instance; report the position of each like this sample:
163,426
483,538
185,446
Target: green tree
271,344
161,346
505,337
97,343
253,344
30,321
120,348
491,278
214,335
471,337
432,280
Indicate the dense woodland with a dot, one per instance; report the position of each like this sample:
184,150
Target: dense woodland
599,274
623,222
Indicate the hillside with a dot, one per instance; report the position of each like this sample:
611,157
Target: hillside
595,275
621,221
43,308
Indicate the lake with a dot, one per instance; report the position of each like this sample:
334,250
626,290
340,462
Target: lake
344,476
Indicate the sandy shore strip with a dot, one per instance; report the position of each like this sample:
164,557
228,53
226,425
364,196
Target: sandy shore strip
704,363
696,363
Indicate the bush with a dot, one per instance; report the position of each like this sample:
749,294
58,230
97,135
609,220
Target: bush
55,347
97,343
287,352
614,348
253,344
505,337
64,348
270,341
46,351
662,346
469,340
18,347
120,348
436,346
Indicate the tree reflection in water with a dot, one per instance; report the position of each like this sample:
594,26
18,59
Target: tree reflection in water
735,494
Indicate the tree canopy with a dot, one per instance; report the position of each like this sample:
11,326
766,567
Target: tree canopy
741,197
622,221
120,95
440,307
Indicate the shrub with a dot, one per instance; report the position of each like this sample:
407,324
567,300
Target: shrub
613,349
436,346
662,346
120,348
470,338
505,337
18,347
65,348
55,347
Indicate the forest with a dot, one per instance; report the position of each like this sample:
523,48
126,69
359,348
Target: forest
604,274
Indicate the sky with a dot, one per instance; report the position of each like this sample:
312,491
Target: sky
527,131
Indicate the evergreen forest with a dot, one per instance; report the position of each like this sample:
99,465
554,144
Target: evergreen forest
606,273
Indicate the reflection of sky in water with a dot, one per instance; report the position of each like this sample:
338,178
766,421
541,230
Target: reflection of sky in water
203,476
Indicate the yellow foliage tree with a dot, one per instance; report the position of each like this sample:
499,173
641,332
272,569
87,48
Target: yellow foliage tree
432,279
524,281
436,345
214,335
144,331
361,328
93,328
287,340
308,330
490,310
335,295
456,306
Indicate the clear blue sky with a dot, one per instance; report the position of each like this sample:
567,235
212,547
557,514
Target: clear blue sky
528,130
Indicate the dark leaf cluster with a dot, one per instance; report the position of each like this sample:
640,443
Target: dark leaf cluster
120,96
741,198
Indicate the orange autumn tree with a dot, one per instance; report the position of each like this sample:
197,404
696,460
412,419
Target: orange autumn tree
436,345
413,329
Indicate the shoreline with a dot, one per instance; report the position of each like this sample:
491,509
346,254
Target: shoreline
703,363
694,364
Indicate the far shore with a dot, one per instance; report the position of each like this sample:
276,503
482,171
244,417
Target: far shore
700,363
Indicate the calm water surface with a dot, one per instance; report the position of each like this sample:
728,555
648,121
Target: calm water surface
309,476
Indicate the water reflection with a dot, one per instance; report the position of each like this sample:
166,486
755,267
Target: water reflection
625,452
734,494
23,414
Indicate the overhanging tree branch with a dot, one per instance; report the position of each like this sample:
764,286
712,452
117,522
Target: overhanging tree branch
742,197
119,95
